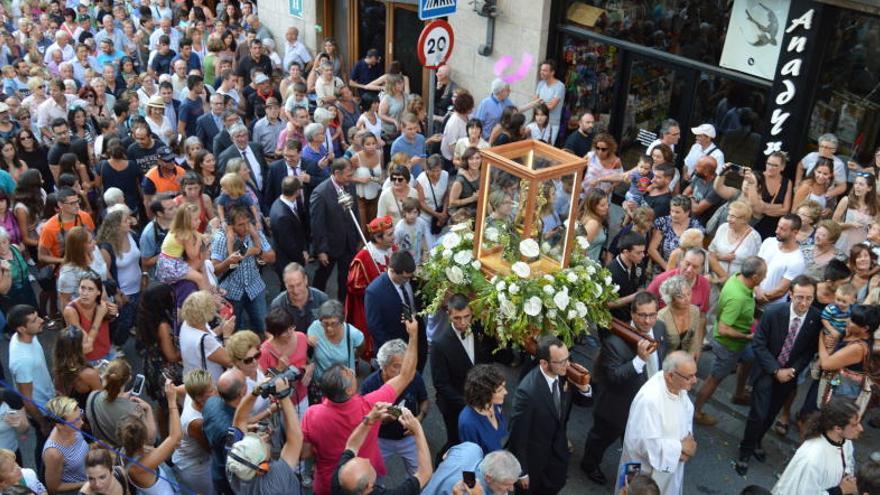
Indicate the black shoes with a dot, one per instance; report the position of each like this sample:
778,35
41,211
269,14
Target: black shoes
594,474
760,455
741,467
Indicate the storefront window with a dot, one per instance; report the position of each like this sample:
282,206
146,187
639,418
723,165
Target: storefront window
738,112
590,72
694,30
848,97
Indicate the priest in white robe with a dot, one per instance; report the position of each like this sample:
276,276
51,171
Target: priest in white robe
659,432
824,463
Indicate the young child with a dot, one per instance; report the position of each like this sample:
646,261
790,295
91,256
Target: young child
639,180
873,241
412,233
299,98
836,315
181,253
234,195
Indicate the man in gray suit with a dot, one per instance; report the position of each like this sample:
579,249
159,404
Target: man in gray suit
621,370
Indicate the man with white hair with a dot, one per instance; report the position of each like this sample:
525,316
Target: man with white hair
392,437
659,432
113,196
62,42
110,32
166,29
294,50
496,473
243,148
490,109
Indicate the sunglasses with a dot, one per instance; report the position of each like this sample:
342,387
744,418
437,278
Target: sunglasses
398,179
601,149
250,360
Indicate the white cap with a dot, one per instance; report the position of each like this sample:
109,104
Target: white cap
705,129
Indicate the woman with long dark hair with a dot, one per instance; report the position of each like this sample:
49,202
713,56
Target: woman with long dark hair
71,373
106,407
118,171
156,319
10,161
27,206
857,210
594,221
91,315
35,155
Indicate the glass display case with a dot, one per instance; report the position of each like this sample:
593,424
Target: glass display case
525,201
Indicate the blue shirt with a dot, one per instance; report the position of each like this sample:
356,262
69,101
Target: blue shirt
217,418
244,280
465,456
190,111
489,112
414,148
7,183
474,427
194,62
412,396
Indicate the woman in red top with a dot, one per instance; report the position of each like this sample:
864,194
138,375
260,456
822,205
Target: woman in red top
91,316
287,347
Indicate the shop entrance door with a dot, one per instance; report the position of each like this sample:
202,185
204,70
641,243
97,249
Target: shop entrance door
393,29
405,30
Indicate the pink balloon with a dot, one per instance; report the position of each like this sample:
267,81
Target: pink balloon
519,74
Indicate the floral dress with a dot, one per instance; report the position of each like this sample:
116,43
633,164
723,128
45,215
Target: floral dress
670,239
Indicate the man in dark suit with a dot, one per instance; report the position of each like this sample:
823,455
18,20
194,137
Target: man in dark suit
455,350
252,155
223,139
540,418
784,343
621,370
209,124
385,300
290,226
290,165
336,237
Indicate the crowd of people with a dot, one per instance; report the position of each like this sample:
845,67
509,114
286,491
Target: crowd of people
160,161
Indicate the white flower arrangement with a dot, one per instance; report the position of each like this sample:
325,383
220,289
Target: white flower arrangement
529,248
451,241
491,234
582,242
532,306
513,289
463,257
521,269
571,277
455,275
561,300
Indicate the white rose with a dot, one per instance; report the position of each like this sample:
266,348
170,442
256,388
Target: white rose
491,234
476,264
561,300
583,243
590,270
455,275
572,314
597,291
548,289
508,309
451,240
529,248
447,253
459,227
463,257
501,285
572,277
521,269
469,237
532,306
546,247
513,289
616,288
551,313
548,277
581,308
607,279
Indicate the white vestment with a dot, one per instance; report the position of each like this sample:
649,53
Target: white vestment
658,421
816,466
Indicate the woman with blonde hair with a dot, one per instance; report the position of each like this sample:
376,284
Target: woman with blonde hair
192,458
244,351
693,238
64,453
735,240
391,107
685,327
810,213
181,250
822,249
106,408
157,120
200,346
11,474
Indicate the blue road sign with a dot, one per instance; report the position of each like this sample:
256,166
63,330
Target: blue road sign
432,9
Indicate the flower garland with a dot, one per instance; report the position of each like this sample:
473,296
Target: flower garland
516,307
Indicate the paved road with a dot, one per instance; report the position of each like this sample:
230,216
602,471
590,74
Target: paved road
710,472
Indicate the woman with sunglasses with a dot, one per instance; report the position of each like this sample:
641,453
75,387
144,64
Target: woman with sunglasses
604,169
769,193
391,199
35,155
64,454
857,211
244,351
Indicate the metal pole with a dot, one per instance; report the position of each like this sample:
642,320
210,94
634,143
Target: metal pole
432,89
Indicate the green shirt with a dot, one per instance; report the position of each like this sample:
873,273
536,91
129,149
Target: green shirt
736,309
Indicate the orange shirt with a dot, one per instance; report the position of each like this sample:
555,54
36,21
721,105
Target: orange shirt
52,235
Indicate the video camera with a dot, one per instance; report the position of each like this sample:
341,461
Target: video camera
291,374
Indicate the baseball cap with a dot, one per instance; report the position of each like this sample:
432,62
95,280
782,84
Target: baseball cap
261,78
4,107
166,155
705,129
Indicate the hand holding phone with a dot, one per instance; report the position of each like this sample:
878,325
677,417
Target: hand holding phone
137,387
469,478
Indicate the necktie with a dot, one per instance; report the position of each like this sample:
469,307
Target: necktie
557,398
406,297
789,341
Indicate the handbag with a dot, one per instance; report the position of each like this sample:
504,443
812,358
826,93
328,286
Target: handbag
436,228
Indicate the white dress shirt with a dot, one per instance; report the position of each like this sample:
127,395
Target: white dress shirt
654,364
254,164
467,341
550,380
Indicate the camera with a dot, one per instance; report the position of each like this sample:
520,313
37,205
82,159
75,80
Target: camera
406,312
291,374
394,411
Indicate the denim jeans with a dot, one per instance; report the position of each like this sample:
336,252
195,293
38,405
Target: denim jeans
256,310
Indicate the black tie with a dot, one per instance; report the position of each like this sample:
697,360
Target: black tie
557,399
406,298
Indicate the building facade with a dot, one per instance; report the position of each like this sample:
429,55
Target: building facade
635,62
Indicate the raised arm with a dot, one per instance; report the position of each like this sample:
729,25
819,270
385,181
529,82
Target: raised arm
410,359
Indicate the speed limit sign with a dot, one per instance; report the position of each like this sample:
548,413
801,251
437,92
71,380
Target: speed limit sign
435,44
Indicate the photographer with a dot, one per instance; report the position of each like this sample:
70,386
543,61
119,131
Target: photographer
249,467
356,476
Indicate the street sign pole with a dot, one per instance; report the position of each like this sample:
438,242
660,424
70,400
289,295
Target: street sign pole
432,90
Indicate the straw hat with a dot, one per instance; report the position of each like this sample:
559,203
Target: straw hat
156,101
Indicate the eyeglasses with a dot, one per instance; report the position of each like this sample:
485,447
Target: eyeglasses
26,137
250,360
398,179
686,378
601,149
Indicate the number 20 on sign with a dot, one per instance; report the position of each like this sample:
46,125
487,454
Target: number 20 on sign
435,44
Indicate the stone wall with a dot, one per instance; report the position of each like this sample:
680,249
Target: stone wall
275,15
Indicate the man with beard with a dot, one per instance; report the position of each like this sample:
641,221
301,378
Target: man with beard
784,260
